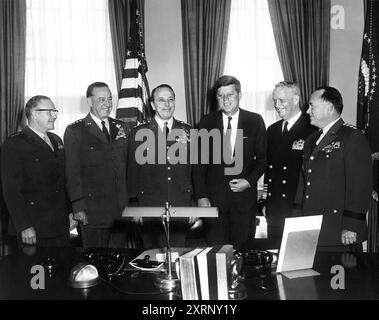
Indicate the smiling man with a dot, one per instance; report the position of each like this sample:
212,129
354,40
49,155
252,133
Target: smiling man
336,177
235,195
285,143
33,176
158,182
96,170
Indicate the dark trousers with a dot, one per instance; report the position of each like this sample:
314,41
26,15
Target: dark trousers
235,224
154,236
93,237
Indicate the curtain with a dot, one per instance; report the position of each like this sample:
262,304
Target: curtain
119,17
12,64
302,35
68,47
252,56
205,31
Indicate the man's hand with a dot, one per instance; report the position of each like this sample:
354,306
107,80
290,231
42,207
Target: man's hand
192,220
239,185
73,222
348,237
28,236
137,220
81,217
203,202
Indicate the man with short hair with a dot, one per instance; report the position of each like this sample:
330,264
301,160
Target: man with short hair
163,179
96,154
235,194
285,143
336,177
33,177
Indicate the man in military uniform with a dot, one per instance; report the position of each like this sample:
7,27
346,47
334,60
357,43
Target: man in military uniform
336,179
154,176
33,177
285,143
96,154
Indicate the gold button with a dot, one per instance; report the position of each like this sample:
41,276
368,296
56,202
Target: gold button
306,197
168,168
310,170
269,180
169,178
270,167
308,183
284,168
312,157
334,211
284,181
283,195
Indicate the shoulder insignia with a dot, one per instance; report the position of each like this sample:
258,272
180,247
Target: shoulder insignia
77,122
348,125
16,134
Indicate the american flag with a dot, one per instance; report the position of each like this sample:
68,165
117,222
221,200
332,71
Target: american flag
133,104
368,99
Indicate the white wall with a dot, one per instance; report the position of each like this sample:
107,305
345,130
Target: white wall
164,48
345,53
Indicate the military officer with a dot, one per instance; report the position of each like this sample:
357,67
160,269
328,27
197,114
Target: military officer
161,179
33,177
96,149
285,143
336,178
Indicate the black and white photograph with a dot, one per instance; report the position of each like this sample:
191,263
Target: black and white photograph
189,157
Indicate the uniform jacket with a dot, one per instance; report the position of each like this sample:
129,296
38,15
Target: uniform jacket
336,181
284,158
33,178
210,180
154,184
96,170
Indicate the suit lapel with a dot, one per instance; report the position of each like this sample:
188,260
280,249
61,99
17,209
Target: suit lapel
113,129
329,137
94,129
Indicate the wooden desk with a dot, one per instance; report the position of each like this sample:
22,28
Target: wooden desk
361,279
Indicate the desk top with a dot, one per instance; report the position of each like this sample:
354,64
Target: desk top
361,279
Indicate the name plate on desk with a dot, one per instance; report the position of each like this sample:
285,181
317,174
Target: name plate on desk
207,212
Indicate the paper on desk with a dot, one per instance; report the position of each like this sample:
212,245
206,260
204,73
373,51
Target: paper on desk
300,273
299,243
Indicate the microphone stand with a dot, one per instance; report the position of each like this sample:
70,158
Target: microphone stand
167,281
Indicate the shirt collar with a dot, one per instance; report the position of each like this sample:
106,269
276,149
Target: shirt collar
40,134
327,128
162,122
292,121
233,122
98,121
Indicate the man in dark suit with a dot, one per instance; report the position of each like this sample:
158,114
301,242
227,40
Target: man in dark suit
33,177
162,179
234,191
285,143
96,155
336,179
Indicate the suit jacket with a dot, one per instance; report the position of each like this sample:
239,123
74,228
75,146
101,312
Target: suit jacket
96,170
336,181
154,184
210,180
284,157
33,178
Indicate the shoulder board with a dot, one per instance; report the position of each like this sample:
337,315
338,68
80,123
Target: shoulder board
77,122
348,125
17,134
184,123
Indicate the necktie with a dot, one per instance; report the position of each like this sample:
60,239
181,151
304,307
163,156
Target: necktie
166,130
315,138
47,140
228,140
285,129
105,131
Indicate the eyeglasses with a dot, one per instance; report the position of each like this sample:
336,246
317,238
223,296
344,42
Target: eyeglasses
51,111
